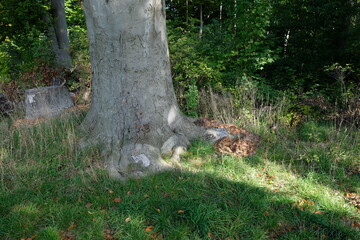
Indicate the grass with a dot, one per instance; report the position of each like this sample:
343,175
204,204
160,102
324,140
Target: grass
293,188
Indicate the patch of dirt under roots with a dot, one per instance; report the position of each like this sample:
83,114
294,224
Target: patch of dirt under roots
240,143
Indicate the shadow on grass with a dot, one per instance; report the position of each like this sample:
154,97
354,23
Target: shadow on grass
171,205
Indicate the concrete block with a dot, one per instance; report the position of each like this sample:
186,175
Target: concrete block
46,102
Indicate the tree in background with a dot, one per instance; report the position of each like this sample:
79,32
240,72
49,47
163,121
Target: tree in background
32,33
58,33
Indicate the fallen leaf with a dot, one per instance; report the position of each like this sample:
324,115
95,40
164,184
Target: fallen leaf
266,213
111,191
181,211
149,228
158,210
117,200
318,212
127,219
210,235
88,205
166,194
146,195
72,226
128,193
108,236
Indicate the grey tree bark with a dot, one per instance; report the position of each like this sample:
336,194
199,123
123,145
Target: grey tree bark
134,115
201,21
59,34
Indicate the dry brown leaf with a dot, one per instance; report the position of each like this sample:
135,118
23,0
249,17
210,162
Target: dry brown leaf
149,228
108,234
72,226
88,205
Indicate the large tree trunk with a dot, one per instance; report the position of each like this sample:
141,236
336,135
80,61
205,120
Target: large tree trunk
134,115
59,35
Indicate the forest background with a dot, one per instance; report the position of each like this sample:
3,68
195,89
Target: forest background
298,49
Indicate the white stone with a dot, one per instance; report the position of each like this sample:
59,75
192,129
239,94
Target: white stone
142,158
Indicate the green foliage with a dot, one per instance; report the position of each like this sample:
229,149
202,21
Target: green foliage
77,29
189,64
227,50
249,43
5,65
18,17
342,90
309,43
313,132
23,40
192,101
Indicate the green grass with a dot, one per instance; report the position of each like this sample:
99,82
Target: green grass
293,188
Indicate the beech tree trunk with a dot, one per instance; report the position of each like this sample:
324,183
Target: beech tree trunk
59,34
134,115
